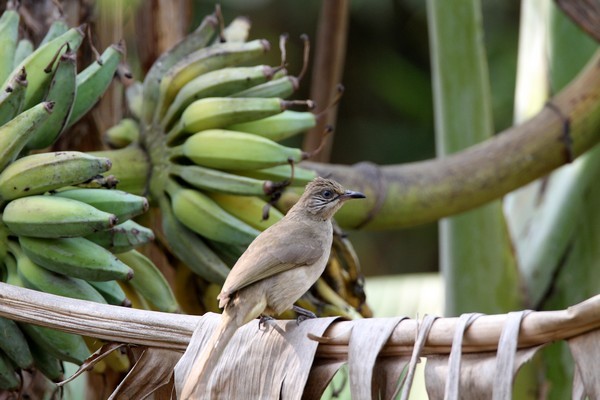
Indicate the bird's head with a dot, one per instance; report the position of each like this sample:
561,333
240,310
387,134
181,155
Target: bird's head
323,197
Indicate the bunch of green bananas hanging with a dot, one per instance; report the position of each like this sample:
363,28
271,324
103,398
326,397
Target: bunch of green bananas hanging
61,231
211,122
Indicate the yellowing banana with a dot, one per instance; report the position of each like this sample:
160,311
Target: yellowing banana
280,126
76,257
39,173
202,215
54,217
218,112
222,149
249,209
149,282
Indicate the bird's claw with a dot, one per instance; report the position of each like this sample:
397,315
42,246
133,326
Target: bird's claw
303,314
262,321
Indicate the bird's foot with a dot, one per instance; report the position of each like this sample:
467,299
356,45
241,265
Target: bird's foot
263,320
303,314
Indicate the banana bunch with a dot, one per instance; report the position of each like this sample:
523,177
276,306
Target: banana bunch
62,231
212,122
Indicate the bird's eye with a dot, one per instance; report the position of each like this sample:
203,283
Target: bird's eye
327,194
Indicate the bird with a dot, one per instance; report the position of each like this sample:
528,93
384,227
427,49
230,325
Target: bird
277,268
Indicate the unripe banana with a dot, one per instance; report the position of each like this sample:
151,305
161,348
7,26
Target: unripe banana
57,28
280,126
203,216
58,344
199,38
149,282
123,237
282,87
93,81
134,94
39,173
122,204
9,380
202,61
14,344
221,149
50,366
190,248
16,133
24,49
219,112
54,217
219,83
76,257
37,278
218,181
122,134
37,62
237,30
13,97
112,292
281,172
62,93
249,209
9,34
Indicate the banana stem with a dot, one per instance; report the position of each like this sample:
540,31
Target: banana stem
131,166
418,193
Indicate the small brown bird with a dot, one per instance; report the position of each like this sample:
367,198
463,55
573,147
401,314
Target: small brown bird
278,267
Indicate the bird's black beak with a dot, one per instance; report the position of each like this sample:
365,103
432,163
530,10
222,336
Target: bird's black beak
349,194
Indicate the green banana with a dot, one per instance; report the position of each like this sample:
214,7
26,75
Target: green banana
199,38
130,165
149,282
122,204
190,248
219,112
14,344
282,87
125,132
93,81
218,181
12,275
47,364
202,61
24,49
61,92
8,378
37,278
57,28
112,292
61,345
9,35
36,64
221,82
13,97
221,149
203,216
249,209
76,257
279,173
39,173
227,252
280,126
123,237
54,217
16,133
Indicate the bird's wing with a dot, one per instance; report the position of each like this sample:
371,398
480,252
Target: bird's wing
275,251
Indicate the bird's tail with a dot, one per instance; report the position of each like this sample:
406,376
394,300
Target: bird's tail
196,384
